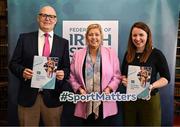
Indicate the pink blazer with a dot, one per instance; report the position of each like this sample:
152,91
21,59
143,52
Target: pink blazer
110,77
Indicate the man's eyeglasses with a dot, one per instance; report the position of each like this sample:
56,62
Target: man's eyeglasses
47,16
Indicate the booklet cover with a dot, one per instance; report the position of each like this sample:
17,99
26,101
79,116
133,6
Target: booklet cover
44,72
139,81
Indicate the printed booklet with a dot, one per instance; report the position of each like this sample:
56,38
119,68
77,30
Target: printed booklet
139,81
44,72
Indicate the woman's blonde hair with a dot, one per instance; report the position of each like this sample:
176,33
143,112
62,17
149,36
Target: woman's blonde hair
94,26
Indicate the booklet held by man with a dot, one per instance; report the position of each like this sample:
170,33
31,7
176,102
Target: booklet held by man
44,72
139,81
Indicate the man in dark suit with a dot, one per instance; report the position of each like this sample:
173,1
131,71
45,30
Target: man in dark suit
33,102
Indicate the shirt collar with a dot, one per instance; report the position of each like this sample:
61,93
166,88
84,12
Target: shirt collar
41,33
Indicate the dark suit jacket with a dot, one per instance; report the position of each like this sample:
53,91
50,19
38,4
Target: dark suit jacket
26,48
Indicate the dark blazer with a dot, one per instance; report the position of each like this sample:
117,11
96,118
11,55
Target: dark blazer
26,48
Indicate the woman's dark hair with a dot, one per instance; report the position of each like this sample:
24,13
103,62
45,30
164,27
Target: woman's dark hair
131,51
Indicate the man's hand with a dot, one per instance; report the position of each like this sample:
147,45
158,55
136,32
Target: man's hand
27,73
60,74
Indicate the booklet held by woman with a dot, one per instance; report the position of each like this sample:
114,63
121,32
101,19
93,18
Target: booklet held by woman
139,81
44,72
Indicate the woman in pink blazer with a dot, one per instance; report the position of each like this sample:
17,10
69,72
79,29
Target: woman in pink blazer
95,69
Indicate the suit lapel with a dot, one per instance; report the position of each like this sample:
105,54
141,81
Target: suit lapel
104,62
54,46
80,62
35,43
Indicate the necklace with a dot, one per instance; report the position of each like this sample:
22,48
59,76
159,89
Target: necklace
138,55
